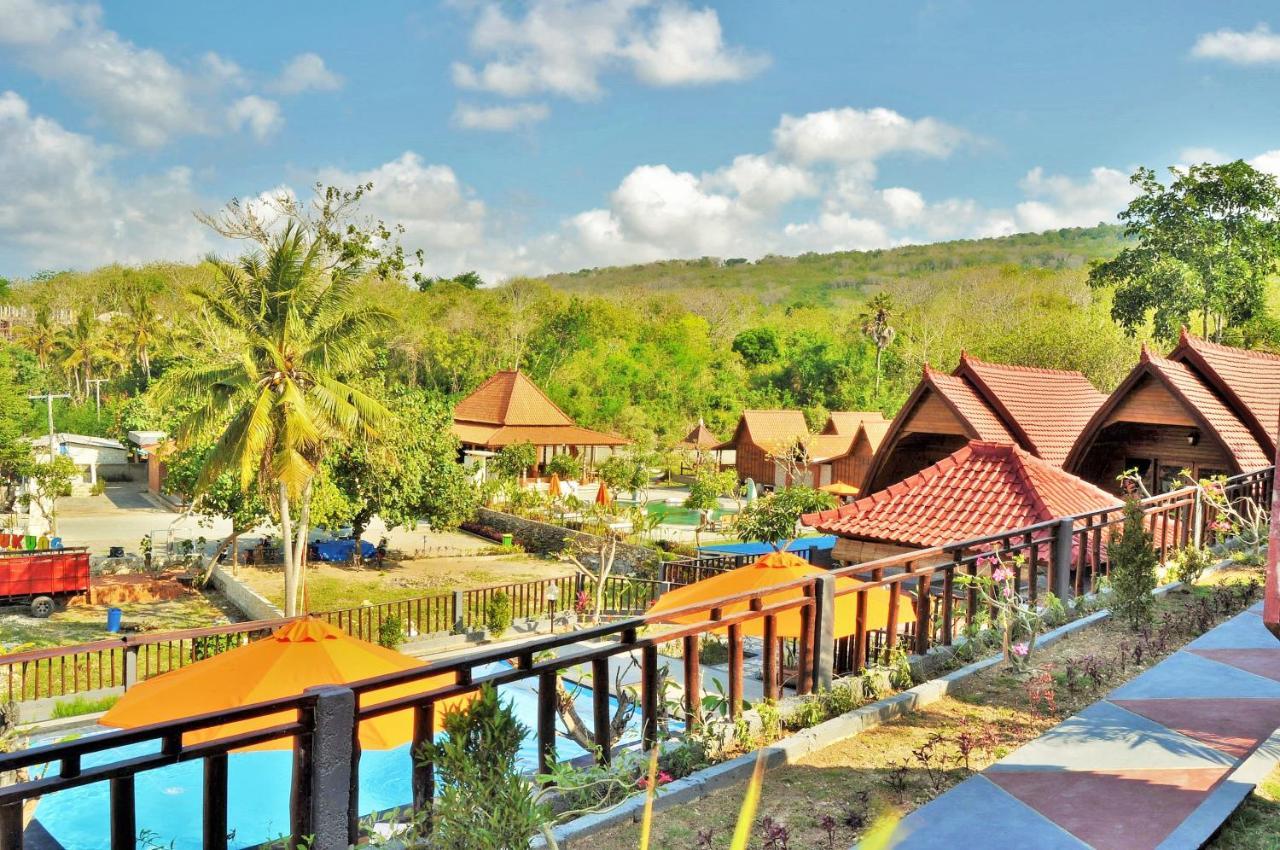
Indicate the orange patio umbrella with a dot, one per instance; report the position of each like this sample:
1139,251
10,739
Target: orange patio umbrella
602,495
553,486
303,654
779,568
839,488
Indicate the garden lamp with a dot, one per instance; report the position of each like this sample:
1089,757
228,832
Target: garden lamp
553,596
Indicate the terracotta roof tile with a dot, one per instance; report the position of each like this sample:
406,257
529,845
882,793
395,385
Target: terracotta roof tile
1226,424
1252,377
538,435
875,432
825,447
771,430
964,399
1047,407
848,421
983,488
509,398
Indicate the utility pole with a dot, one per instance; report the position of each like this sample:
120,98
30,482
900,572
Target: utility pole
97,395
48,400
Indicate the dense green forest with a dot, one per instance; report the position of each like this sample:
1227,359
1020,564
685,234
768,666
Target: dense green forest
642,350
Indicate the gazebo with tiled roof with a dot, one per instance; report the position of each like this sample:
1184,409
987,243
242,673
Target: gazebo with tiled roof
1039,410
508,409
980,489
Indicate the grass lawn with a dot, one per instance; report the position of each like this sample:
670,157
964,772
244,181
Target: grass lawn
332,586
1256,824
85,623
831,796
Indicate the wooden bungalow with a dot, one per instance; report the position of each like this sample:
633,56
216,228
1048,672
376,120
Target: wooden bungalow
982,488
509,408
1186,413
840,452
1039,410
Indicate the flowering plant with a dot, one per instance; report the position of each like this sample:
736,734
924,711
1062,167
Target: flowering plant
1014,616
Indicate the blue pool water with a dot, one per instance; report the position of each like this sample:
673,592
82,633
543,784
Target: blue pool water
169,799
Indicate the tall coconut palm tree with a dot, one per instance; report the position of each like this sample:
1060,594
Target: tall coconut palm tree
82,343
142,326
273,405
41,336
875,325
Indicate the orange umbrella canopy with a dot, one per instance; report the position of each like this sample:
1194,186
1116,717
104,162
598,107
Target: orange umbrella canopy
779,568
553,486
303,654
839,488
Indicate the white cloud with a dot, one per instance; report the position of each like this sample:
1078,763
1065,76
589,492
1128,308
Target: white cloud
61,207
1197,155
1259,46
837,231
1268,161
500,118
762,183
260,116
686,47
1057,201
306,72
563,47
851,135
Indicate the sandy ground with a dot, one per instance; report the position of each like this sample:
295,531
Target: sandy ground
84,623
339,586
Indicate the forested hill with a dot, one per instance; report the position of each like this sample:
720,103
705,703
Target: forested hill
642,350
847,275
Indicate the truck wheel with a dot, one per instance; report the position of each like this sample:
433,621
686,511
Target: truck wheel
41,607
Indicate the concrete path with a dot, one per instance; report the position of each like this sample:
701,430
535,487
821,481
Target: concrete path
1160,763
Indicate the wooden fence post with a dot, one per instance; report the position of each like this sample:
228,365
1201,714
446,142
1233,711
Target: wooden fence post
824,631
1063,539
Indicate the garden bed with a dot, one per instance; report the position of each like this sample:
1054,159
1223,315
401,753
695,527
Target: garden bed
828,797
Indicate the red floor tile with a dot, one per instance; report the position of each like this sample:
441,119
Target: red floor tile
1260,662
1112,809
1234,726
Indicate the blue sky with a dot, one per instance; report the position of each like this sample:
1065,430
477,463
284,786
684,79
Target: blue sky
524,137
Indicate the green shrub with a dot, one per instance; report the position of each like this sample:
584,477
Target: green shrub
566,466
713,649
391,632
1191,562
770,720
77,706
807,713
497,614
1133,568
484,802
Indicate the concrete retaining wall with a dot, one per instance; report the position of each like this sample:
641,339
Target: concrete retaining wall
252,604
547,539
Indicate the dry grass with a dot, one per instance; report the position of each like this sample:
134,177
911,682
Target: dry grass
85,623
885,769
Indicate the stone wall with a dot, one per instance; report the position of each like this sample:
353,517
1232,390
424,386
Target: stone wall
543,538
252,604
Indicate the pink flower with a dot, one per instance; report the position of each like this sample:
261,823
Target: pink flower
663,779
1021,650
1008,591
1002,574
987,561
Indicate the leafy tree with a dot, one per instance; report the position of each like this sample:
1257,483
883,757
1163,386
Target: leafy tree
276,406
565,465
83,345
48,480
485,802
626,471
708,485
875,326
513,461
757,346
467,280
41,336
1133,567
409,473
142,328
773,519
223,497
1206,244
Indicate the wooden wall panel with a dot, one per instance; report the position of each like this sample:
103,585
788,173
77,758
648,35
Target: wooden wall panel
1150,402
932,416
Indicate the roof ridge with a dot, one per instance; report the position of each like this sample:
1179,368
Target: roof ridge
965,357
1193,341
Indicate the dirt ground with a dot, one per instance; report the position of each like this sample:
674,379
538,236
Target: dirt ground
830,798
332,586
84,623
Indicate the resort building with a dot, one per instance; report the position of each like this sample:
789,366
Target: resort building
1204,409
1041,411
95,457
508,409
980,489
772,446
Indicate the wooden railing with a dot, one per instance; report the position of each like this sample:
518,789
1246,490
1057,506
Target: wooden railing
1064,556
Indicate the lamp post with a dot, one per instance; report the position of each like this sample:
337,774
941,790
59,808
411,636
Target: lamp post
553,596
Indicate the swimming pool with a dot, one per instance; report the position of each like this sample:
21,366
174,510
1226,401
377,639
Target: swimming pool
169,799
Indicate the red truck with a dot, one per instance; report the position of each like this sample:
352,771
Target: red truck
43,577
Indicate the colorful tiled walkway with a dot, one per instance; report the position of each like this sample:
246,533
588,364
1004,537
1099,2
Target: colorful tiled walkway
1160,763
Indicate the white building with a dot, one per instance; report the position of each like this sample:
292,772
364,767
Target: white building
97,457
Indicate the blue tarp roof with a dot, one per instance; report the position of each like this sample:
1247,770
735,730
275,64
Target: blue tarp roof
824,542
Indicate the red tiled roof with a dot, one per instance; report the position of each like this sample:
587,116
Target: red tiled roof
771,430
848,421
1250,380
1046,408
510,398
1225,424
981,489
701,438
961,396
538,435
